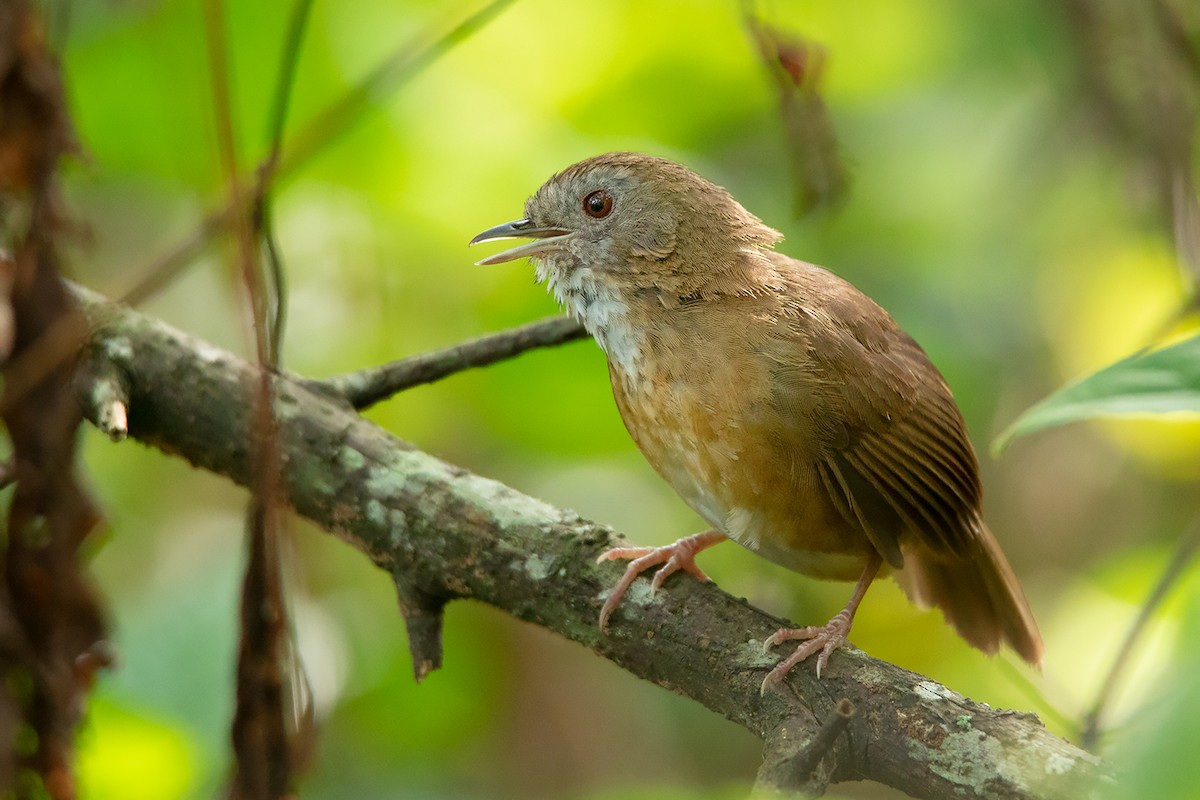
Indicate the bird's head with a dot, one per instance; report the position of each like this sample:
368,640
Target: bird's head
626,222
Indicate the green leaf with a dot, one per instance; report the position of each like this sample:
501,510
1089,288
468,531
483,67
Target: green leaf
1152,382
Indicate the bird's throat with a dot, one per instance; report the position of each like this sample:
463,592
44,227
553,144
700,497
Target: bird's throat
606,314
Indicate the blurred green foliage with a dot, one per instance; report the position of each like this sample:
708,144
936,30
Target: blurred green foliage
989,211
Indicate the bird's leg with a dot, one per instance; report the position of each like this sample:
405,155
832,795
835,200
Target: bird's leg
825,638
679,555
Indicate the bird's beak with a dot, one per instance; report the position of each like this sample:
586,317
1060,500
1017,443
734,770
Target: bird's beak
545,240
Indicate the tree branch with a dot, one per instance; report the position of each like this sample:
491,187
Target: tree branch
367,387
446,533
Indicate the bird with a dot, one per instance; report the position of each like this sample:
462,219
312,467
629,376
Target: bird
783,405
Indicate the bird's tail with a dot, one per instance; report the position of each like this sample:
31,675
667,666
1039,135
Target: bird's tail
978,594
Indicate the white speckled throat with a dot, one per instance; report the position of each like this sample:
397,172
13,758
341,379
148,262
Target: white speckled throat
597,304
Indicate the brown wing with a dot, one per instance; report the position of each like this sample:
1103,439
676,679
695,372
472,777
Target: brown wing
895,459
893,450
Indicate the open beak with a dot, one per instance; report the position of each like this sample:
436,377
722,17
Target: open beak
545,240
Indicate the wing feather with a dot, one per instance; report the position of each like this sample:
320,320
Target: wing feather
892,448
909,494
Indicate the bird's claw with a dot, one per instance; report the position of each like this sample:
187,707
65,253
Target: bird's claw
823,639
679,555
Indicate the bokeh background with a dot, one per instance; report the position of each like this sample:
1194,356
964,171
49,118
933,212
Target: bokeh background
997,207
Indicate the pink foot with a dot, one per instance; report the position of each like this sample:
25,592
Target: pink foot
680,555
823,639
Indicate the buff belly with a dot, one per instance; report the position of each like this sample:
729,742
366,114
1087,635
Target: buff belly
735,476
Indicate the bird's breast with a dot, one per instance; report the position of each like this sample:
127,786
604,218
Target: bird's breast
700,407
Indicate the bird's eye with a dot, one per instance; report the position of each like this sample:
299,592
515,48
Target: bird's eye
598,204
